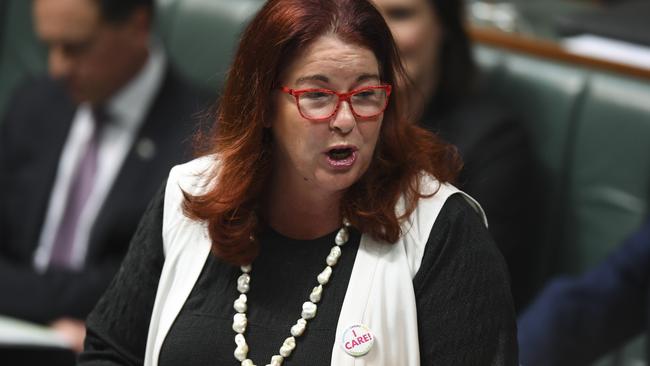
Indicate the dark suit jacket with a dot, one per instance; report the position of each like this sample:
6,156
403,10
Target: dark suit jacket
32,137
498,172
497,157
577,320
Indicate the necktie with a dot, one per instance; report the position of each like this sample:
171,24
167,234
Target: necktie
79,191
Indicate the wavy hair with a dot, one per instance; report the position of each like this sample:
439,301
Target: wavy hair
243,145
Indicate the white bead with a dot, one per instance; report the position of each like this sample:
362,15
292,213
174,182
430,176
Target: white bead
316,294
324,276
308,311
309,308
240,304
341,236
241,352
333,257
240,339
299,328
243,283
287,346
239,323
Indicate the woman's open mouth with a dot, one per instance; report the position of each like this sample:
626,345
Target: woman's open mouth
341,157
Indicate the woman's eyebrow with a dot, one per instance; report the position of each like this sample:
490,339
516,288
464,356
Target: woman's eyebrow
316,77
323,78
364,77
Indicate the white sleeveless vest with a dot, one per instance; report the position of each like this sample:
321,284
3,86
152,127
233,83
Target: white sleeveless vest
380,293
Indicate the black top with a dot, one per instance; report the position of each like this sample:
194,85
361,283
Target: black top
465,313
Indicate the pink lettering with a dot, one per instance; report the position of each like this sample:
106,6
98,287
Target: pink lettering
358,339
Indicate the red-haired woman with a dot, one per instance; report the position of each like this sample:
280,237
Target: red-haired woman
320,229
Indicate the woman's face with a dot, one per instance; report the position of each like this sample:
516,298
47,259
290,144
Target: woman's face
417,33
325,156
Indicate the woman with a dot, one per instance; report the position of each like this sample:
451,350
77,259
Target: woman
306,236
448,98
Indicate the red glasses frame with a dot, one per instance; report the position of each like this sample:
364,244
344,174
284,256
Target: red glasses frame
296,93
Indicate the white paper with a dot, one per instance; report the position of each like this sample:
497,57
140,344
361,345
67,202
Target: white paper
21,333
609,49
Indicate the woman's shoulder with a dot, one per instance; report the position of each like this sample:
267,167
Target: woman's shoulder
194,176
459,236
462,209
461,229
437,195
432,207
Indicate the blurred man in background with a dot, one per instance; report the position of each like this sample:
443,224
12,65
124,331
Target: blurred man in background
81,154
575,321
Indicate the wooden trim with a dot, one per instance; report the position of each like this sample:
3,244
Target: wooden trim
551,50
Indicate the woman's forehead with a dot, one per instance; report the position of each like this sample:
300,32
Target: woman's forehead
330,59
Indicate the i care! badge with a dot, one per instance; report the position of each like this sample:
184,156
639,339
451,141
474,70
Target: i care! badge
357,340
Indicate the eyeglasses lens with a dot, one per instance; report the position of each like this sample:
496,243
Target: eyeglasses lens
321,104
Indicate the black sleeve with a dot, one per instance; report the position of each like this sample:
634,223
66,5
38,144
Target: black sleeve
465,311
117,327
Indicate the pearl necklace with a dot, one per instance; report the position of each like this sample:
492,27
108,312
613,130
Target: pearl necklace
308,308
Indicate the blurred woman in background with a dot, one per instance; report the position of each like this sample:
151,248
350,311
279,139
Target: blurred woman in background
445,93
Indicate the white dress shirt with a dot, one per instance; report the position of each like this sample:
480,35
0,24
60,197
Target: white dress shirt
127,110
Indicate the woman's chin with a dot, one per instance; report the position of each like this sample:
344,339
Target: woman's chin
337,180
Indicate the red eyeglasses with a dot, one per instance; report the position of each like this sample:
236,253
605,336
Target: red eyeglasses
321,104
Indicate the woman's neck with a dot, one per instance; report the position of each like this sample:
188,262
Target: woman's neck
296,211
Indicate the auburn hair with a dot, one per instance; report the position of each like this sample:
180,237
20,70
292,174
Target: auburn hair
242,144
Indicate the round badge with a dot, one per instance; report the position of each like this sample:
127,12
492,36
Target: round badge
357,340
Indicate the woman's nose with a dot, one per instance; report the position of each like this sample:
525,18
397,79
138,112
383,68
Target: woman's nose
343,120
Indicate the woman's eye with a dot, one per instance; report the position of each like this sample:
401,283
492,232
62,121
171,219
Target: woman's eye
365,94
400,13
315,95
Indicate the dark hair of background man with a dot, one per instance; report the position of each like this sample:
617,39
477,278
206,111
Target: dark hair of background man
115,11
